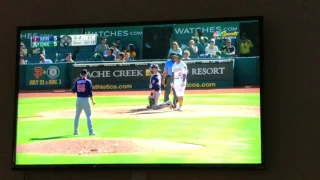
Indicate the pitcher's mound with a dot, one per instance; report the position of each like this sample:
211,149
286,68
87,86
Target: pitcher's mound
103,146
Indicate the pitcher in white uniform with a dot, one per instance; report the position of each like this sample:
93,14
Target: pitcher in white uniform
179,75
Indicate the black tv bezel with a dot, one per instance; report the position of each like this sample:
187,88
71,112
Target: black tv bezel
140,166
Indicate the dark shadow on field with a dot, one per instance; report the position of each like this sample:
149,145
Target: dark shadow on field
50,138
145,111
138,110
151,112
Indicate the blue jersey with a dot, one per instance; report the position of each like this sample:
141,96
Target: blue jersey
83,88
155,82
168,66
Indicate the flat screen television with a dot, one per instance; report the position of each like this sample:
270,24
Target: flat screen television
170,94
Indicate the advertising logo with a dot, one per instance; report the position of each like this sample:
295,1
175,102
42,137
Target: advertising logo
148,73
53,72
225,34
38,72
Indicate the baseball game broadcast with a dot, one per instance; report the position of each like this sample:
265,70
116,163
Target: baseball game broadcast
175,93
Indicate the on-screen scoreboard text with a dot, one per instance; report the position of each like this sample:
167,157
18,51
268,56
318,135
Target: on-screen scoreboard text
44,41
64,40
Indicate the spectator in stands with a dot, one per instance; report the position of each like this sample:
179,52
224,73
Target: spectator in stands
198,33
228,49
21,60
68,58
43,60
115,49
205,42
212,49
186,55
245,46
109,56
121,57
119,45
175,49
127,57
193,49
23,50
199,45
132,51
218,54
222,43
101,48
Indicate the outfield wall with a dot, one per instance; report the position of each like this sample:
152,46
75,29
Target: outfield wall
209,73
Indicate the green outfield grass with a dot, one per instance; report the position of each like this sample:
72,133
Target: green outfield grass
227,139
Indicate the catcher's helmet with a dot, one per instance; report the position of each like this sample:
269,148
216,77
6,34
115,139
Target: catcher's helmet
155,66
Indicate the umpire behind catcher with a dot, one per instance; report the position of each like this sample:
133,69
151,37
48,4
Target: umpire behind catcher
167,80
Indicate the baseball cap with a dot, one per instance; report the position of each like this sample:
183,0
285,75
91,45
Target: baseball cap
228,40
83,72
114,44
68,54
205,39
171,54
178,56
212,40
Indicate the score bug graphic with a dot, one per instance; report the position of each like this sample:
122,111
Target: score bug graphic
78,40
65,40
44,41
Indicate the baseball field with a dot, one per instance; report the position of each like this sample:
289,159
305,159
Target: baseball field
215,126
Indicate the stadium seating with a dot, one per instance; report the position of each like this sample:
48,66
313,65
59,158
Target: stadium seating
64,50
83,56
33,58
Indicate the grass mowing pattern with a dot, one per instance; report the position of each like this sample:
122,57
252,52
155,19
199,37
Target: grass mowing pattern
29,107
227,139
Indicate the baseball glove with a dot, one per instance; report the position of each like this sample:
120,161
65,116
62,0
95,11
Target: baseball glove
151,101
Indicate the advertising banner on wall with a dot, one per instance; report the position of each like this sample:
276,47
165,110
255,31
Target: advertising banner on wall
110,76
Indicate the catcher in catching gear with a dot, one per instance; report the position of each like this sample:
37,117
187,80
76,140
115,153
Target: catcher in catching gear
155,86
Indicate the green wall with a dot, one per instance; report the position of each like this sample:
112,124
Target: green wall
246,71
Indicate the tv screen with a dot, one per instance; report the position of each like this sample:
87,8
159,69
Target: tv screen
138,95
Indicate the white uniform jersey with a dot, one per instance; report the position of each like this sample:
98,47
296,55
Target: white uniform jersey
179,70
